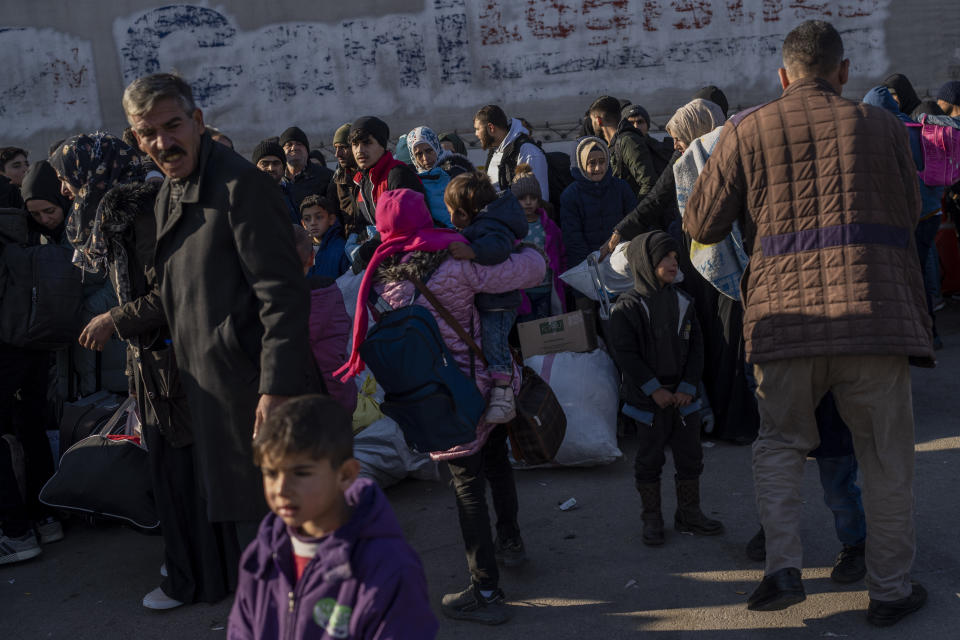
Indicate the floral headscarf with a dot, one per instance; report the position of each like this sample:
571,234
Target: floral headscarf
93,163
426,135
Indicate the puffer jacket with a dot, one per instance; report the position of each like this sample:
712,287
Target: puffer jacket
589,212
455,283
330,329
825,191
435,181
493,234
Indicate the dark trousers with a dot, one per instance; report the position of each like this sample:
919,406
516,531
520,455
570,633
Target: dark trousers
201,556
470,476
926,234
23,394
668,430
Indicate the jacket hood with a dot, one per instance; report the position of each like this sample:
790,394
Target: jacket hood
516,129
881,97
507,210
900,85
644,253
371,518
457,160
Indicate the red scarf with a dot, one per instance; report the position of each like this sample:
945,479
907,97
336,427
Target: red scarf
405,225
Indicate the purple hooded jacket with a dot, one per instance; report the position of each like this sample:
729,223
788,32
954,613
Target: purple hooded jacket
365,581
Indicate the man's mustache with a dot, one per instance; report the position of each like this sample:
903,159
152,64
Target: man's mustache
167,153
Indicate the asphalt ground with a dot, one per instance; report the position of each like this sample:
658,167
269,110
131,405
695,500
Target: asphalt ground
588,576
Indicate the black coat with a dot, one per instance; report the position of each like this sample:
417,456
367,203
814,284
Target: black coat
237,305
312,181
657,209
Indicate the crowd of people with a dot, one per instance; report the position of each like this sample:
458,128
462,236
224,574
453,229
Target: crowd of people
220,274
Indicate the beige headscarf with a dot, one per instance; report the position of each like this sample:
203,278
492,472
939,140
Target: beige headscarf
585,146
694,119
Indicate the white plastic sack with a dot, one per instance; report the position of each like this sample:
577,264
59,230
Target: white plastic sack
349,285
587,386
613,274
385,458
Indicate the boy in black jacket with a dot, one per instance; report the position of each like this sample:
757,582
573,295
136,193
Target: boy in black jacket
660,350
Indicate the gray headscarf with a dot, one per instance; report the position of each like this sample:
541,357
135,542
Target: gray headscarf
694,119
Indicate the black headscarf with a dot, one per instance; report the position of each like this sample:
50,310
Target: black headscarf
456,141
714,95
644,254
93,163
906,94
41,183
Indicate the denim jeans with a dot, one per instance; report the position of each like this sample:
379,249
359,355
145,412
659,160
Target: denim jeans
838,477
495,327
470,476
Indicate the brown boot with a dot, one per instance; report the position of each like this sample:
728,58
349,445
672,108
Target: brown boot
652,518
689,518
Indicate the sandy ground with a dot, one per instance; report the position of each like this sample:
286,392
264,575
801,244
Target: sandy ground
588,576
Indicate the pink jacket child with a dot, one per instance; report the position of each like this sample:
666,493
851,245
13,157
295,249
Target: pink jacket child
406,227
329,336
557,255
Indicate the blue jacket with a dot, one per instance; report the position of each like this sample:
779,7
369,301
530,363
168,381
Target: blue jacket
365,581
493,234
930,197
589,212
331,259
435,181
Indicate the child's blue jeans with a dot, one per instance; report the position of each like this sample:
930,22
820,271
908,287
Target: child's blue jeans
495,328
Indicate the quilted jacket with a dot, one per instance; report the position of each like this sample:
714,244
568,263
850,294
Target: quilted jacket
825,190
455,283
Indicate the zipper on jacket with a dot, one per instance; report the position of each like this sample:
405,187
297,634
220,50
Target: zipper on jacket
293,601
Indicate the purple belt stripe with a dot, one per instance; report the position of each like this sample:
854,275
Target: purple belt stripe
838,236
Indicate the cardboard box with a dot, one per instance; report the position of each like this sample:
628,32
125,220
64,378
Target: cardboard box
567,332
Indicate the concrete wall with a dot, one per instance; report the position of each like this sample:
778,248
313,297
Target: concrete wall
257,67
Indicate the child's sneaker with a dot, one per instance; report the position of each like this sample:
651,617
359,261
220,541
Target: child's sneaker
16,549
49,530
510,552
502,407
159,601
474,606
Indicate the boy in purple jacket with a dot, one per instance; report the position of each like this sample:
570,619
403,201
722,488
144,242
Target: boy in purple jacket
331,560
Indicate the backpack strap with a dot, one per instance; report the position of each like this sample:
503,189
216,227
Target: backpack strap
448,317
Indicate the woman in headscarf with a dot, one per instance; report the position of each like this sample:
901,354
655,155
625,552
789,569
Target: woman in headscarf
658,209
411,246
427,155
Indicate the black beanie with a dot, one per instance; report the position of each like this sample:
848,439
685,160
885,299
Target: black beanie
714,95
297,135
376,127
268,147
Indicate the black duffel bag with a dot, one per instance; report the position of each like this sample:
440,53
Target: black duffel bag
106,475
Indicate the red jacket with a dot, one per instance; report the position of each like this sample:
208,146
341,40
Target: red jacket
387,174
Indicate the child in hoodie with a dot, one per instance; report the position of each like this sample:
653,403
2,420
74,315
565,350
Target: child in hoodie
318,215
494,225
659,348
330,561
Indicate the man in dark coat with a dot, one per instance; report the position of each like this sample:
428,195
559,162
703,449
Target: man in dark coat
232,290
304,177
630,155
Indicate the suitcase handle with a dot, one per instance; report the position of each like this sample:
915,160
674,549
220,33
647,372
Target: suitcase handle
603,295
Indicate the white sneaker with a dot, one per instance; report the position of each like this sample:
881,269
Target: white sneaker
163,570
49,530
501,408
17,549
160,601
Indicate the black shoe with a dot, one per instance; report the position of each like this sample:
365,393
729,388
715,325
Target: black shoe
885,614
850,565
510,552
471,605
652,529
778,590
757,547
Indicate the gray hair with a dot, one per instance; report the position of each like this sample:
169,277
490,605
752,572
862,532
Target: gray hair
144,92
694,119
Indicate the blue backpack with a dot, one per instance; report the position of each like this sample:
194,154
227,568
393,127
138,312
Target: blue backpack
435,404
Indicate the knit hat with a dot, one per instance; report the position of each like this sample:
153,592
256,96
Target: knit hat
634,110
714,95
268,147
294,134
342,135
950,92
376,127
526,185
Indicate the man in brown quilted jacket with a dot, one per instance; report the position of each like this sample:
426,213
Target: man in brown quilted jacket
825,191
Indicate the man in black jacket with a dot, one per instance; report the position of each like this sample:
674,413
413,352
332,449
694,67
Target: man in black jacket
630,156
304,177
232,291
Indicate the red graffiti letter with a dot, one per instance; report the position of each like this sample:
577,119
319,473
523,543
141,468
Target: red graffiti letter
700,13
492,29
618,22
736,14
771,10
651,13
559,28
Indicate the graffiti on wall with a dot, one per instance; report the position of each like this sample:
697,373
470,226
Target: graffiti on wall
56,90
451,56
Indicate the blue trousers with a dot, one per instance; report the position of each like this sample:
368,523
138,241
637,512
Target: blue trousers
838,477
